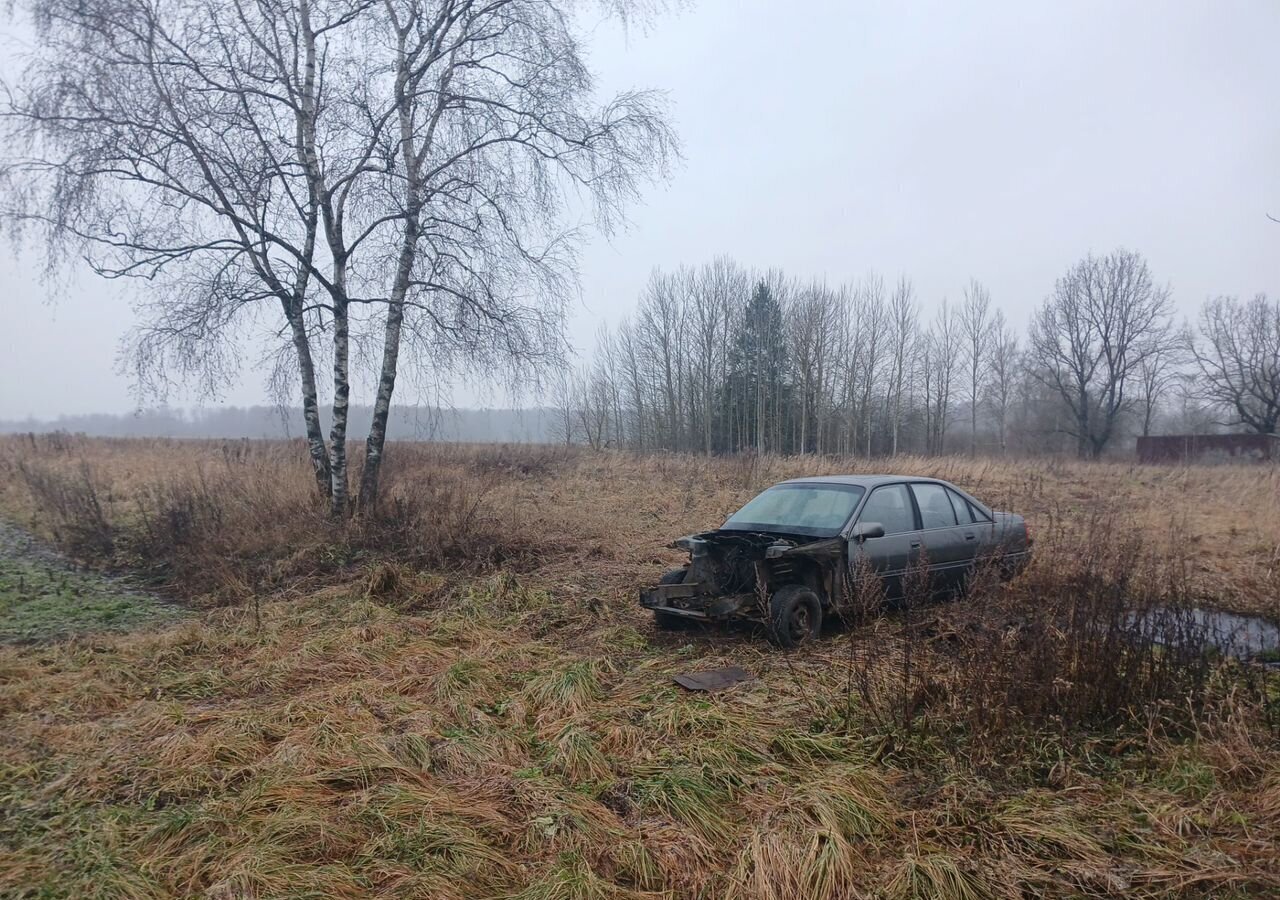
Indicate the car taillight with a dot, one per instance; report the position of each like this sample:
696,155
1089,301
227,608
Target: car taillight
1027,528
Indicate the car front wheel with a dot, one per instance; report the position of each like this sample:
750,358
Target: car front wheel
795,616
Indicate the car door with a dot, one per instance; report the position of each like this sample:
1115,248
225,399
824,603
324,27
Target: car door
945,547
889,506
976,527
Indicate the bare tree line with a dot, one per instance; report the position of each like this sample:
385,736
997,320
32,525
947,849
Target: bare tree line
386,184
720,359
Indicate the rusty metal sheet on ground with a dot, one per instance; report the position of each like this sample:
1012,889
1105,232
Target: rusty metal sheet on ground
712,679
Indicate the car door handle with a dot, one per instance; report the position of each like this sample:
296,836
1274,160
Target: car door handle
970,536
915,545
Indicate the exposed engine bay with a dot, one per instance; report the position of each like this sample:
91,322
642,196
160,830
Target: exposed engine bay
725,563
730,573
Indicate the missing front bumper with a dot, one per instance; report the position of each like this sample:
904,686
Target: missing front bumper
685,600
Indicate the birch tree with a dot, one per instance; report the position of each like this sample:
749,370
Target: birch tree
903,331
720,286
403,165
661,320
166,145
494,124
975,327
874,322
805,325
1005,367
633,384
942,349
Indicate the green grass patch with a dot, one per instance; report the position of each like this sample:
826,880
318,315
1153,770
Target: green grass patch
691,796
1190,777
42,603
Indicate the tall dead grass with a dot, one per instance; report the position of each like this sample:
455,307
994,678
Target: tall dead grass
225,520
414,715
473,506
1105,634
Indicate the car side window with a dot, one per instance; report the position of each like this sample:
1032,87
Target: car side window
935,506
890,505
964,515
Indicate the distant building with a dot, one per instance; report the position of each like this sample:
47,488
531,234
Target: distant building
1182,448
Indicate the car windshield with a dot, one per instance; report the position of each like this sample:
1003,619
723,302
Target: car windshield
816,510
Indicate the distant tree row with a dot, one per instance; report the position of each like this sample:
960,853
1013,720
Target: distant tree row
721,358
406,422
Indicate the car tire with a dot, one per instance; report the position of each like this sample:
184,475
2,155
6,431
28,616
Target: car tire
666,621
795,616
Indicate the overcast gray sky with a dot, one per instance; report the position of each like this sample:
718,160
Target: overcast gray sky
1000,140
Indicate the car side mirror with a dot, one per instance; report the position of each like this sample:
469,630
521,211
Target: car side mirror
864,530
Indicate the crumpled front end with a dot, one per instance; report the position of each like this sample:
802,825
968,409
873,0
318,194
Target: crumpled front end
718,583
730,573
686,601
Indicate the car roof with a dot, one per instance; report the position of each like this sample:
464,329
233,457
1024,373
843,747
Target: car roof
866,481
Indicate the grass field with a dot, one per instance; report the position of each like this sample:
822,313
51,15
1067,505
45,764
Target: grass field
460,697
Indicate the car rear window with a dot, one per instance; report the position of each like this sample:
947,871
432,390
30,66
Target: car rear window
961,506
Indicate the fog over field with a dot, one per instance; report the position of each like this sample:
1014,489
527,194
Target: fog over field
425,423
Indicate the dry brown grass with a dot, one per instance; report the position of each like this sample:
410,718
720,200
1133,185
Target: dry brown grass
418,721
568,514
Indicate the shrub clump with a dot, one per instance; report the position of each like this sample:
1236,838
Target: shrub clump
252,522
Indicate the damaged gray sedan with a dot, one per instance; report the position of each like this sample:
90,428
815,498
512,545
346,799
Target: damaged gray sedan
785,559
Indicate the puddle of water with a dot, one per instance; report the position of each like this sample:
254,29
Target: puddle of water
1243,636
1238,636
